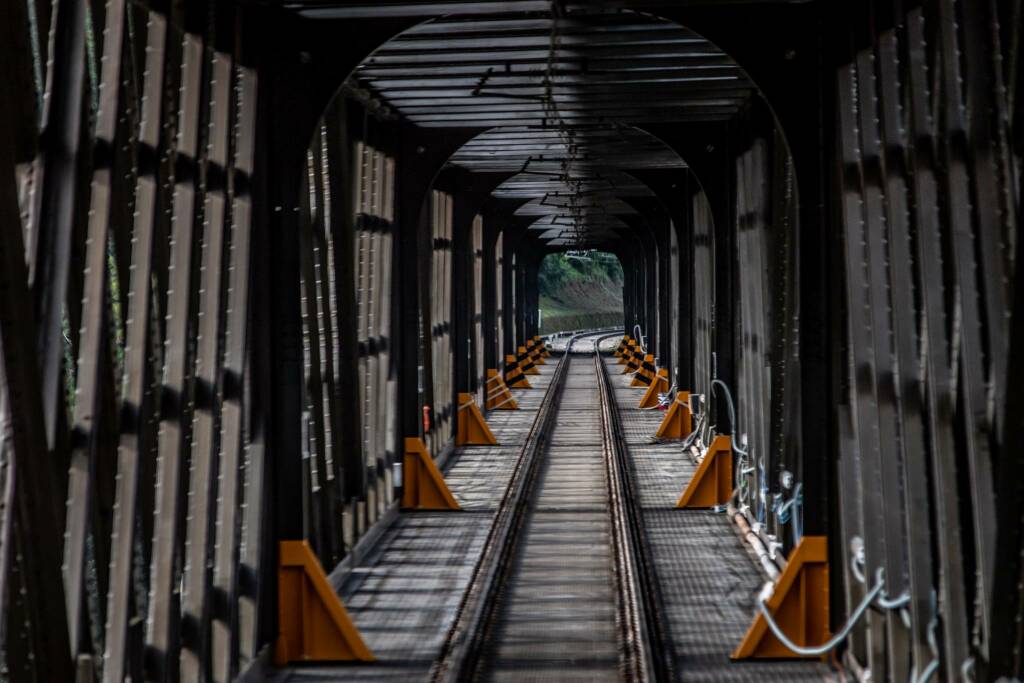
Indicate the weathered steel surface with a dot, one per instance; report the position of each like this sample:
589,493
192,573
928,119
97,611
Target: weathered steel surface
219,316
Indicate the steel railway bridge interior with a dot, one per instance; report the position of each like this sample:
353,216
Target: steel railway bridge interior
269,310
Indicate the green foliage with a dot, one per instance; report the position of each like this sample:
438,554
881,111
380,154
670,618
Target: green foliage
561,270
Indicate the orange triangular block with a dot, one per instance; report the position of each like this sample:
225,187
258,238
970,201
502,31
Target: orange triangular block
645,374
536,353
633,358
678,423
498,396
711,484
543,345
514,376
798,605
627,352
313,625
658,386
621,348
472,428
526,363
423,487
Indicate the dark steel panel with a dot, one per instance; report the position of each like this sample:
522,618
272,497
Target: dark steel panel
936,330
967,237
136,401
163,627
94,343
48,264
917,511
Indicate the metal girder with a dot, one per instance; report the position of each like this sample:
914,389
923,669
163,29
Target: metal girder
405,8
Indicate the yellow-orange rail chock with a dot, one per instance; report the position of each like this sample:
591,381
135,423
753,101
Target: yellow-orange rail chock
633,357
423,487
645,374
497,396
545,351
526,363
798,605
621,348
313,625
658,386
514,376
711,484
472,429
534,351
678,422
627,353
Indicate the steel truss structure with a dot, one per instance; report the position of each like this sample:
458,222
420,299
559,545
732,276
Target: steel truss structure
247,248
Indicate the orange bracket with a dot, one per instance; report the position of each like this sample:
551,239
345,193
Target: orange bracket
472,428
627,366
678,422
313,625
526,363
626,354
545,351
498,396
659,385
711,484
423,487
799,605
515,377
621,347
536,351
645,374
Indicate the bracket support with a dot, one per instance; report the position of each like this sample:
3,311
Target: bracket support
313,624
799,605
678,422
711,484
658,386
423,487
472,427
498,396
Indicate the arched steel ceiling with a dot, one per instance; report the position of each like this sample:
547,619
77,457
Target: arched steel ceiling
561,92
586,67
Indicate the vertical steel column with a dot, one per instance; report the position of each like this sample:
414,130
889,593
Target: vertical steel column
163,631
489,294
34,608
419,160
508,293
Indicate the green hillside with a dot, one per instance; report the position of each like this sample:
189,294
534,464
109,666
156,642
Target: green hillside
580,289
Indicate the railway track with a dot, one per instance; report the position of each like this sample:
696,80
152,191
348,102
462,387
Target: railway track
563,589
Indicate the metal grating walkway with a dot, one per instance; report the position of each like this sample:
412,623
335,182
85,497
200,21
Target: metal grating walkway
707,579
403,595
557,615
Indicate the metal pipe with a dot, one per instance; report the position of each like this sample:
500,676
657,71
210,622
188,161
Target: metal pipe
755,543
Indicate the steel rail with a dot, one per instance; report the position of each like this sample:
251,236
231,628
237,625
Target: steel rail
461,649
645,644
